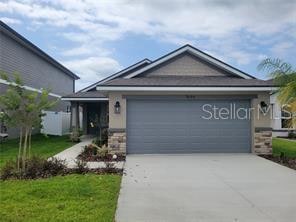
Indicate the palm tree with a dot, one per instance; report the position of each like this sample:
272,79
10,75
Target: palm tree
284,76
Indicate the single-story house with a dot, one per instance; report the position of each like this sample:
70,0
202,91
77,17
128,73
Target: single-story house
184,102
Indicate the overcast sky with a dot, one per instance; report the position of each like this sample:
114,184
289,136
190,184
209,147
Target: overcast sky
96,38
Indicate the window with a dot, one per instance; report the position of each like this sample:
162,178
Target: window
286,117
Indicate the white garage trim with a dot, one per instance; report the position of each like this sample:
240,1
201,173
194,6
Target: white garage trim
183,89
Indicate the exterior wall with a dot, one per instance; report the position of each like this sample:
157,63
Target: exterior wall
117,140
261,124
185,65
277,112
260,119
35,71
263,141
117,124
262,130
117,121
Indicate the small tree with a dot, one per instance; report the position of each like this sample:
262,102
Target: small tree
23,109
284,76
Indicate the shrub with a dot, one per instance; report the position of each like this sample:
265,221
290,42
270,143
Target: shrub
103,140
103,152
90,150
292,135
99,142
36,167
81,166
75,135
9,170
54,166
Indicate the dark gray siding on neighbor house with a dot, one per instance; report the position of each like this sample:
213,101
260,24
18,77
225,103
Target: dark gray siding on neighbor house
35,71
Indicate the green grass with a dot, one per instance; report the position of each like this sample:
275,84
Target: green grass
72,198
41,145
283,145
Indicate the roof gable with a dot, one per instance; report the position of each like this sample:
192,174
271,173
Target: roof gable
199,55
185,64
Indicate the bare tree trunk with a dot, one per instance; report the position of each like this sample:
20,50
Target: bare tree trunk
25,149
30,135
20,149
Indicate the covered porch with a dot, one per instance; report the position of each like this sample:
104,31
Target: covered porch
89,112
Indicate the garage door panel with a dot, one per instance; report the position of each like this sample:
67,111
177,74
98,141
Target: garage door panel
212,133
161,139
177,126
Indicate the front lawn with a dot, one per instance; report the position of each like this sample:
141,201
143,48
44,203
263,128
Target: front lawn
41,145
283,145
87,197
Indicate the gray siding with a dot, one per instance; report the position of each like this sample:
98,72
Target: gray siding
185,65
35,71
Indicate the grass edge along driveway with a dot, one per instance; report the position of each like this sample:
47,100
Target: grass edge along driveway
73,197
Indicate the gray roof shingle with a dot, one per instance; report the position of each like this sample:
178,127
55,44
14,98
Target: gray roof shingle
189,81
90,94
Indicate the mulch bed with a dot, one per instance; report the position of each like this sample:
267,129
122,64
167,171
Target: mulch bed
285,161
95,158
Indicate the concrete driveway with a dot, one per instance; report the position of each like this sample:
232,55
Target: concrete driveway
206,187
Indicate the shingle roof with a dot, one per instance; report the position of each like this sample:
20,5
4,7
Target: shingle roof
189,81
120,73
90,94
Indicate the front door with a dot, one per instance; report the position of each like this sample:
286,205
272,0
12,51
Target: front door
93,118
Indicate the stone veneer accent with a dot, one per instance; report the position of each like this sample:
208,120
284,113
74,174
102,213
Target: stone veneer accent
263,141
117,140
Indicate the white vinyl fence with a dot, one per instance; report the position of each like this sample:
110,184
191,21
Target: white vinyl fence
56,123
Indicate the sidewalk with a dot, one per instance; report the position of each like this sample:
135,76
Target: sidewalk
70,156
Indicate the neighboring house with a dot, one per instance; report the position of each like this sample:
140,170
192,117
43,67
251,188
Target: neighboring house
37,69
164,106
281,120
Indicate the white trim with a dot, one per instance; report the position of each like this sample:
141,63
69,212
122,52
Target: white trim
194,52
84,99
115,76
183,89
29,88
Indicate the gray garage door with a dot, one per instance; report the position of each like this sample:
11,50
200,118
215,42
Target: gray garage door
185,126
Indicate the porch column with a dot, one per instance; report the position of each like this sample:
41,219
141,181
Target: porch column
77,122
74,123
84,118
71,116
